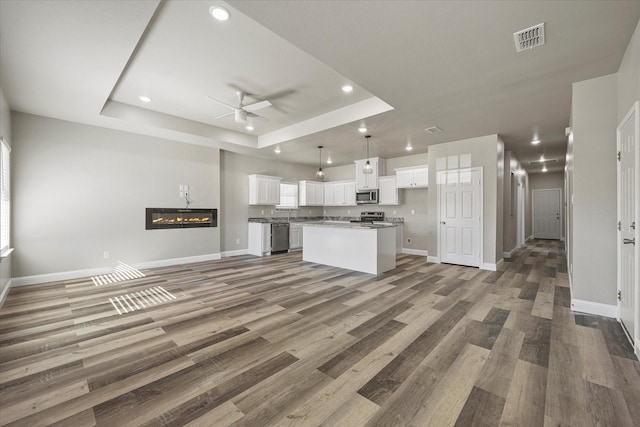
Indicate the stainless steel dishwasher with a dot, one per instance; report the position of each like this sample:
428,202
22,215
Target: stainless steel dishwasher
279,237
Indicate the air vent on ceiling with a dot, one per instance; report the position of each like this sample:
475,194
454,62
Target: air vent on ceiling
529,38
433,129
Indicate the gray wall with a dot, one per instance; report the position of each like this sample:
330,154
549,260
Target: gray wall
486,152
235,209
412,203
593,177
80,190
5,132
543,181
510,210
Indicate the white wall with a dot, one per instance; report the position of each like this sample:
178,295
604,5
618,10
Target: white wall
5,132
512,179
593,176
80,190
486,152
629,76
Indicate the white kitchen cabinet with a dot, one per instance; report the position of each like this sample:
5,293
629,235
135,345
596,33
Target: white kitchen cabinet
259,238
311,193
264,190
413,177
369,181
340,193
388,193
295,236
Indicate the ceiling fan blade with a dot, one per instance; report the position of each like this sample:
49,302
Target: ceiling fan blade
250,114
224,115
222,103
256,106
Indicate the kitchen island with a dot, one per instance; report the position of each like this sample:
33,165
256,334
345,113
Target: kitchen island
369,248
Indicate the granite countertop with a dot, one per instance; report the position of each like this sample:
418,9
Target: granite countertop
318,219
350,225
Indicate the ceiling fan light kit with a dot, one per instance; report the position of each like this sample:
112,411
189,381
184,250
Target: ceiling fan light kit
242,112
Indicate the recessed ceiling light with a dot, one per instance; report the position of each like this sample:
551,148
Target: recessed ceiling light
544,168
433,129
144,98
249,127
277,150
347,88
535,141
329,161
362,129
541,158
409,147
219,12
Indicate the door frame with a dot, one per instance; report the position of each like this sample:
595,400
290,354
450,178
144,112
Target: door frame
481,222
520,234
634,111
533,210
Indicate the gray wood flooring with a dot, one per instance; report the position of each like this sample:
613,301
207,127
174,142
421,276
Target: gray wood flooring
249,341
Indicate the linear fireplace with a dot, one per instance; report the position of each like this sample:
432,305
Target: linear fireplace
163,218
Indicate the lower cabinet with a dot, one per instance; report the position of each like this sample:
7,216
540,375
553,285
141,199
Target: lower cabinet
295,236
259,238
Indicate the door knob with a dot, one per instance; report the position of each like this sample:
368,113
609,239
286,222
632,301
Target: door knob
442,222
629,241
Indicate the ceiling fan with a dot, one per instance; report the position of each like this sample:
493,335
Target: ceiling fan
242,111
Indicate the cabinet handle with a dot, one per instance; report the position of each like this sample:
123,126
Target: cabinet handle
629,241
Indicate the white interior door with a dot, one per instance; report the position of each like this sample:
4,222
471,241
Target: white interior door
628,223
546,214
460,208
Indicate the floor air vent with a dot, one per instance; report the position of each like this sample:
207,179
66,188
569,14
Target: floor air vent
529,38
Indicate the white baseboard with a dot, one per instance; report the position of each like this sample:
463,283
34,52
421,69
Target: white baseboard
596,308
420,252
77,274
491,267
238,252
5,292
510,253
433,259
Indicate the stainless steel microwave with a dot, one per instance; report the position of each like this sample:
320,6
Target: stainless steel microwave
366,197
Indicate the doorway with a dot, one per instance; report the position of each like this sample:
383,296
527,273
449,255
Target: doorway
460,216
520,238
628,222
547,213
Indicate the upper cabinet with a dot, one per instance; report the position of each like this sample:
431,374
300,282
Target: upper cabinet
264,190
413,177
388,193
340,193
369,181
311,193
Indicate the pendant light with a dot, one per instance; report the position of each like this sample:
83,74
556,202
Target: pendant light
367,169
319,173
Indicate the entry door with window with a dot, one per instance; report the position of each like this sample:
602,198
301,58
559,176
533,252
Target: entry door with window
628,223
460,208
546,214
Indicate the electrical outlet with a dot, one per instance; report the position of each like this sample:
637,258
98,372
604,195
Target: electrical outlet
395,212
237,241
262,212
413,211
348,211
271,211
409,240
106,255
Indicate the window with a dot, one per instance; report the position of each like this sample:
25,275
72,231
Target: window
288,196
5,195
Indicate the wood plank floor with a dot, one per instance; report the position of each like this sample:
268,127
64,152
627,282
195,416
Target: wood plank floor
253,341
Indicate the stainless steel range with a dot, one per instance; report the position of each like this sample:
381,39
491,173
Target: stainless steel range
370,217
